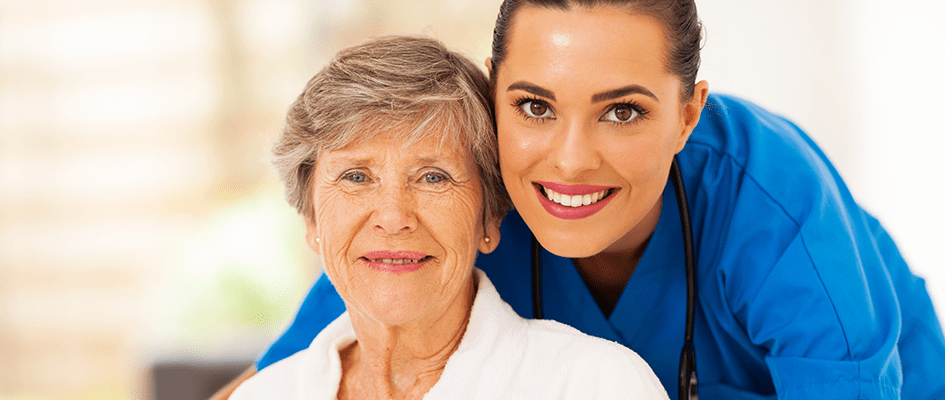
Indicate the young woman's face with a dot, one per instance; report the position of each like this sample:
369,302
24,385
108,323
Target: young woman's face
588,121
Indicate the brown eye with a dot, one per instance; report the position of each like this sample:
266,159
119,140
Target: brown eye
536,109
620,113
623,113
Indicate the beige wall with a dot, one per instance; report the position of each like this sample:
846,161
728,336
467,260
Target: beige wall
139,219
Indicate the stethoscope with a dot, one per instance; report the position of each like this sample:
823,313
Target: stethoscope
687,360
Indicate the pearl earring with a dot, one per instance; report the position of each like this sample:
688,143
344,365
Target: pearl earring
318,240
487,239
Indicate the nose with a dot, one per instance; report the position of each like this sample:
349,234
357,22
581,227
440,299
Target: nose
394,211
573,151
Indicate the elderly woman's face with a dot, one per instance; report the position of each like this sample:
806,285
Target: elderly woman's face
398,227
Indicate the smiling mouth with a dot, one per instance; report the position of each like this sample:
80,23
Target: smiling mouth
575,200
396,261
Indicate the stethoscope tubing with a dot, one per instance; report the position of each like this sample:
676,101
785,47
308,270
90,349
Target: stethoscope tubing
687,358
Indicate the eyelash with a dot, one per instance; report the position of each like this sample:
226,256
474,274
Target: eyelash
640,110
442,175
348,174
517,106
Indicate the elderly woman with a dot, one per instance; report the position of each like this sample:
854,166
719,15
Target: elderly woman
389,154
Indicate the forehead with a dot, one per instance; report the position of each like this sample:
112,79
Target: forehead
586,46
416,145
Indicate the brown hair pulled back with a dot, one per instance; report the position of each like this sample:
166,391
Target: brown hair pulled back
679,18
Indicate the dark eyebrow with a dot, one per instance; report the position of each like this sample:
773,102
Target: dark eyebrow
617,93
533,89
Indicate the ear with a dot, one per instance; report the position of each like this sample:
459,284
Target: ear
491,232
311,236
692,110
489,66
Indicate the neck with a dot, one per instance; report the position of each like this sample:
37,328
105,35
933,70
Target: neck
606,273
404,361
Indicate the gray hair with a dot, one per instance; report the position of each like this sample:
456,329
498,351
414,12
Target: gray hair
410,82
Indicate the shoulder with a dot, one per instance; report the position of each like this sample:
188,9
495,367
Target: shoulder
314,372
504,355
279,380
589,366
741,149
769,210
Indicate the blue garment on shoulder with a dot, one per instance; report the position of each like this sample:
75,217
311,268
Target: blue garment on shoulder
801,293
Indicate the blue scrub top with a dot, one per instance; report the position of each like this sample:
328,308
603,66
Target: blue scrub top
801,293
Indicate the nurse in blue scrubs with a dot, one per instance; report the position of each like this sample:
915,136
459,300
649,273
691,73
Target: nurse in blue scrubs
801,293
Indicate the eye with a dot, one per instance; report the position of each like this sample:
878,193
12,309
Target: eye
621,113
355,176
434,177
534,108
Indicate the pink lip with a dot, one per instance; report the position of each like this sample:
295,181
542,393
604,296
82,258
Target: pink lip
563,212
370,258
572,190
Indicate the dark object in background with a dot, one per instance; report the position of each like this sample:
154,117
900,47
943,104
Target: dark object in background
192,380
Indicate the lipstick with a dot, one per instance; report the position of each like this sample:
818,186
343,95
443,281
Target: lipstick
573,201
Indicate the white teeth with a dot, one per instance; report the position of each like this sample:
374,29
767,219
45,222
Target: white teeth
397,260
575,201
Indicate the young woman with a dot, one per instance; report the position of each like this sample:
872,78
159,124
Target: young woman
799,293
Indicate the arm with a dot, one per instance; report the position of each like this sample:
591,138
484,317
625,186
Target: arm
921,343
803,286
225,392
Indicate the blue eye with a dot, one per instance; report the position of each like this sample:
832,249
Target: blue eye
356,177
432,177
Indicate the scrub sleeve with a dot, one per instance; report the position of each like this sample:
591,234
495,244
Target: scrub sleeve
802,294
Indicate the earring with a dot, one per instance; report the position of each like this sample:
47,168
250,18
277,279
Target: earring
487,239
318,240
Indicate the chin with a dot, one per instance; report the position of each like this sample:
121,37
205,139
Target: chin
571,245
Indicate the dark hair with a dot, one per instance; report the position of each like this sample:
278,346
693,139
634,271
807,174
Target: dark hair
683,30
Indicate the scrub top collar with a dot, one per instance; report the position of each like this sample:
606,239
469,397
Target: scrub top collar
647,292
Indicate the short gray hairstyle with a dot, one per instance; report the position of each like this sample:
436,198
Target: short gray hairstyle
412,82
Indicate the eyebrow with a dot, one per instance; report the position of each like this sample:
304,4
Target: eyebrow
346,162
596,98
533,89
620,92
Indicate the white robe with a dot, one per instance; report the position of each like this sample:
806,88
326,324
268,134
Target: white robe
501,356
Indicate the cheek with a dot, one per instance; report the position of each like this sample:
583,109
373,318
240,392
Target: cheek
519,149
454,220
338,220
644,163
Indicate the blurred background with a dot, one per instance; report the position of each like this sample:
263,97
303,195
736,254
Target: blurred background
143,235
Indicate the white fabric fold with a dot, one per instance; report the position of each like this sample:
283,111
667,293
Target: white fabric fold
501,356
